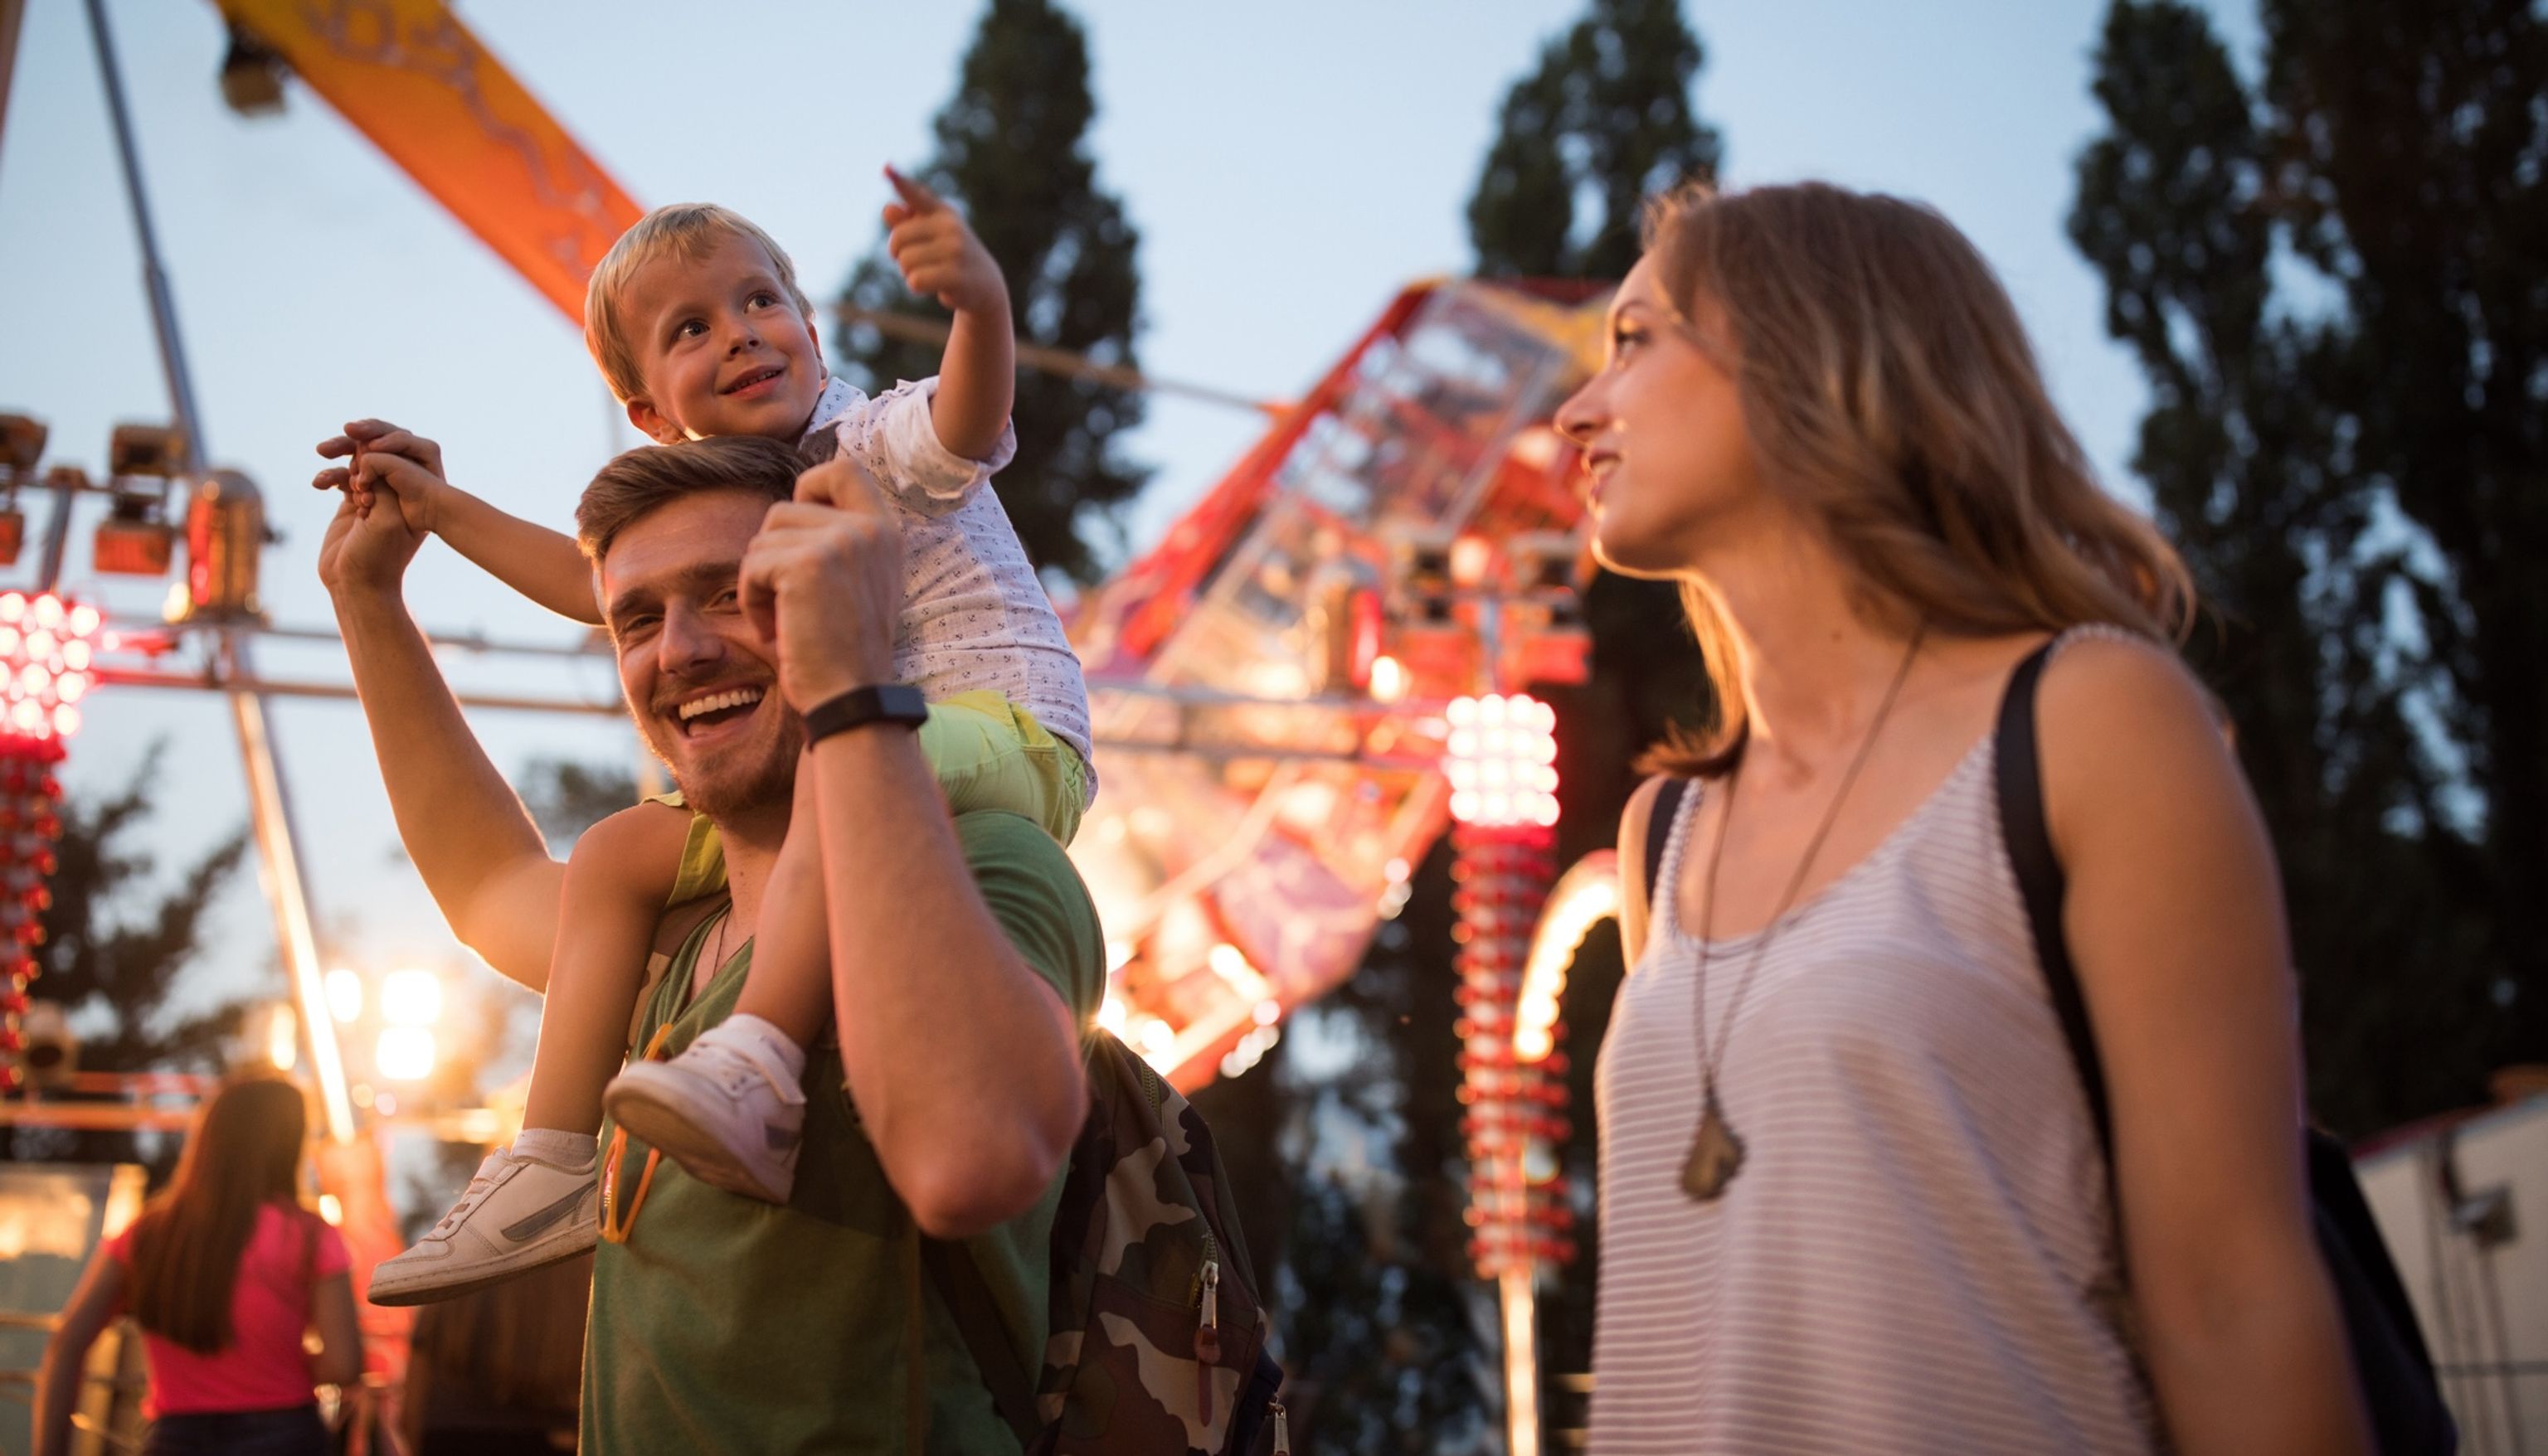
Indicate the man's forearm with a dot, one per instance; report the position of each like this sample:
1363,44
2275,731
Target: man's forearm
978,384
964,1062
476,845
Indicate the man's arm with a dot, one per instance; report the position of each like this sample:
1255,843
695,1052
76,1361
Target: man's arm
940,259
480,856
963,1061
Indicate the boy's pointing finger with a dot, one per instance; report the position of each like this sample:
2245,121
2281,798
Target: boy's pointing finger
914,195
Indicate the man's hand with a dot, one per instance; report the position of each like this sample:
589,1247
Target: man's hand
377,450
822,583
366,550
938,254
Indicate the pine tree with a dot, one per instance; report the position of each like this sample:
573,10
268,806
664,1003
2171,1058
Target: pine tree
1012,153
112,959
1605,119
2337,284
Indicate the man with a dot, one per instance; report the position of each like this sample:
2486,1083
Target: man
966,962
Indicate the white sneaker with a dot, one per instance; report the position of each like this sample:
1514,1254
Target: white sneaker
519,1215
725,1110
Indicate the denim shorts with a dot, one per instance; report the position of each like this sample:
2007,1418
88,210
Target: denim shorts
295,1430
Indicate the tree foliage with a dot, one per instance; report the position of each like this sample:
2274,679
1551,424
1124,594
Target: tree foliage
114,948
2336,281
1604,122
1012,153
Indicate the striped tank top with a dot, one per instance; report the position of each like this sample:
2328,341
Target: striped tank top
1915,1256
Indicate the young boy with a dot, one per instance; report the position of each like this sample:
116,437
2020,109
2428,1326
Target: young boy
696,320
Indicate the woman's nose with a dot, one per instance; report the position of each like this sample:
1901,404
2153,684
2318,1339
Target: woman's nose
1580,417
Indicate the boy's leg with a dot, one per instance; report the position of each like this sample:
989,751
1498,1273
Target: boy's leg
537,1201
731,1107
791,985
990,754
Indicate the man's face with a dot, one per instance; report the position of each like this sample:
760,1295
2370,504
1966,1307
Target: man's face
704,695
721,347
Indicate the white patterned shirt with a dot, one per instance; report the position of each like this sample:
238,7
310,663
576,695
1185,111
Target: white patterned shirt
973,614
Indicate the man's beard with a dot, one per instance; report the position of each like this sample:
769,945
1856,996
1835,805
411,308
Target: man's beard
737,784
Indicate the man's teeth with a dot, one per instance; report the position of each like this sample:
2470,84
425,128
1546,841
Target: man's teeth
717,702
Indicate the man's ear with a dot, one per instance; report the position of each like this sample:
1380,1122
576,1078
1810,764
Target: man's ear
652,423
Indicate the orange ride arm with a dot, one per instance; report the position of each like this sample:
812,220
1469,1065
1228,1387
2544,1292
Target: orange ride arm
407,74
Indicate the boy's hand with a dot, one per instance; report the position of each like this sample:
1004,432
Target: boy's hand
407,464
938,254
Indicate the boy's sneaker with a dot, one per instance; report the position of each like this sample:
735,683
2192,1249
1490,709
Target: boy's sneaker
727,1110
519,1215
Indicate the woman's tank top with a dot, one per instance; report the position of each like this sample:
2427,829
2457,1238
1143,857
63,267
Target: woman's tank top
1916,1255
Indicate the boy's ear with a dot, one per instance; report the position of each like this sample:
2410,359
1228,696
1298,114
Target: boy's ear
651,424
816,334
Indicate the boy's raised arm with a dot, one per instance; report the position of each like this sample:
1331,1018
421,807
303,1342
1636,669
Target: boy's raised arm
940,259
481,858
543,565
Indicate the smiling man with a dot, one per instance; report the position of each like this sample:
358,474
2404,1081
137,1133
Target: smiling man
720,1324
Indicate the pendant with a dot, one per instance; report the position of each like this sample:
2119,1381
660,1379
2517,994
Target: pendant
1715,1155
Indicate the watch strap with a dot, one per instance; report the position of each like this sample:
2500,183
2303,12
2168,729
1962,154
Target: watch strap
898,703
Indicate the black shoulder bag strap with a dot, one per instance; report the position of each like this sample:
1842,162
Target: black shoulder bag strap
1659,835
2040,881
978,1316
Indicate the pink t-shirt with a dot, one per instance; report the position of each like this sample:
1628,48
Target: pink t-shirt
264,1367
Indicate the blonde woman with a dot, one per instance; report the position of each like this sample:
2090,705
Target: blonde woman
1852,1197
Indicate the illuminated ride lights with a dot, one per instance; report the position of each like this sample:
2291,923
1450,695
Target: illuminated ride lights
45,654
1501,761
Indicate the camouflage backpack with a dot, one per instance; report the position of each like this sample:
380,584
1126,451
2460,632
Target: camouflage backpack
1158,1341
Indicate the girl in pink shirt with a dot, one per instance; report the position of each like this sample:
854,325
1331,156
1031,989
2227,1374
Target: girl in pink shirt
223,1272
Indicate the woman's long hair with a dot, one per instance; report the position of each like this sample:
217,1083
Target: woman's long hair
1891,394
245,1153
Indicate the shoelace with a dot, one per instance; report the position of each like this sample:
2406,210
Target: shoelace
481,1184
727,1073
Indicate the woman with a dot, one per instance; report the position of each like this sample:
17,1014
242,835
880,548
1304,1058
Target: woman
1853,1197
223,1272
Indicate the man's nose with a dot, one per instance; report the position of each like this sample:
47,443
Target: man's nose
686,642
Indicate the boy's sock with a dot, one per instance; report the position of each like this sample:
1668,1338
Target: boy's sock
571,1150
766,1034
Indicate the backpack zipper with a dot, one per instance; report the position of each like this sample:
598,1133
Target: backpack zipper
1208,1333
1282,1429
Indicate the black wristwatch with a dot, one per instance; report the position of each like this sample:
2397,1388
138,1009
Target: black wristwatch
898,703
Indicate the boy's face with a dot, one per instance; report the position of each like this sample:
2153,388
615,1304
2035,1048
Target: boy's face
721,347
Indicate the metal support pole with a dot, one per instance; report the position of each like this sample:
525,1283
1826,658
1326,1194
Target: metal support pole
277,858
1522,1361
270,809
154,279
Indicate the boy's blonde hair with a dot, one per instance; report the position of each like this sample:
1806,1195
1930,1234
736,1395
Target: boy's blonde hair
687,228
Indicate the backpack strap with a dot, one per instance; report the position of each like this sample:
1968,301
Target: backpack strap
2040,881
1659,835
977,1317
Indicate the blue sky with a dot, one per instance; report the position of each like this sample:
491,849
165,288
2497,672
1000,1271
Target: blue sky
1289,169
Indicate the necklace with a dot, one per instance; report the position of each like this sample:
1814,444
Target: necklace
1716,1151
